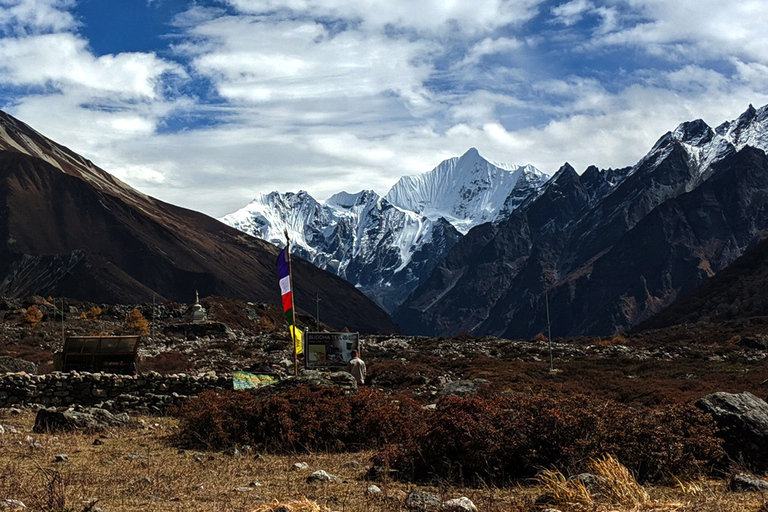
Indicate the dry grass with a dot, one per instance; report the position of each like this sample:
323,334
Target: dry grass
139,470
617,484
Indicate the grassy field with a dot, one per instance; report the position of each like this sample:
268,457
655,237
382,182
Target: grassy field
141,469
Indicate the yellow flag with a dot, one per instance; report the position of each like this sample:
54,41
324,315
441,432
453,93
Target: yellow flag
298,340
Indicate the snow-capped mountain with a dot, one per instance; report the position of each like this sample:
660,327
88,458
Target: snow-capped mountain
467,190
381,249
387,245
609,248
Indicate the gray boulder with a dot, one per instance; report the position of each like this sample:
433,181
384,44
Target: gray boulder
742,482
66,420
422,501
12,364
743,419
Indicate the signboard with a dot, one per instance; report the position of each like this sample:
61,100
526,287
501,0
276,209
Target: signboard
113,354
330,349
245,380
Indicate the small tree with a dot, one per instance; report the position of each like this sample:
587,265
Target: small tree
33,315
136,323
91,314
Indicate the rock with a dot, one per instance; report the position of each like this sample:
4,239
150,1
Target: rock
745,418
745,482
591,482
2,430
244,488
62,457
321,476
462,387
462,504
97,442
352,464
14,365
372,490
422,501
12,504
91,419
300,466
198,456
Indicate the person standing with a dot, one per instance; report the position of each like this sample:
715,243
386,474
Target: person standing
356,367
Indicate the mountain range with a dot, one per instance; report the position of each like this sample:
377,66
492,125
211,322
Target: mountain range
71,229
607,249
387,245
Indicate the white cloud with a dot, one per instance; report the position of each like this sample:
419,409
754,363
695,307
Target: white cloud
435,16
572,12
35,16
63,60
694,28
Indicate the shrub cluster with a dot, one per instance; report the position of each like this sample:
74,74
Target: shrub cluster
492,440
497,440
300,419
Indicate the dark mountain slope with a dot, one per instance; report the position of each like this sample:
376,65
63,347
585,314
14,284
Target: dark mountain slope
610,247
71,229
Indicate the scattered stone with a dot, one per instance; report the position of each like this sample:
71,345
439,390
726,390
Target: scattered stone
744,482
244,488
352,464
13,365
62,457
198,456
97,442
321,476
12,504
14,411
152,497
255,484
136,457
591,482
232,452
300,466
373,490
145,480
550,510
430,407
2,430
66,420
462,387
462,504
422,501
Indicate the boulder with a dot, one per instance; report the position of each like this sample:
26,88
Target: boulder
744,420
462,387
741,482
462,504
422,501
14,365
65,420
321,476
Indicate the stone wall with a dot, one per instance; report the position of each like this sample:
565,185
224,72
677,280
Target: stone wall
150,392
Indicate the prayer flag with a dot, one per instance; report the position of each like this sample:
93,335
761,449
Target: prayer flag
286,291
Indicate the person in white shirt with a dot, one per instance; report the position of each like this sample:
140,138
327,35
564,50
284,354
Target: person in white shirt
356,367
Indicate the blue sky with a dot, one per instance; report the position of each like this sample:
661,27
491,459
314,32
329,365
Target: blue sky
206,104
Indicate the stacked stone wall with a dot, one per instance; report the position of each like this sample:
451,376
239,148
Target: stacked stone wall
151,392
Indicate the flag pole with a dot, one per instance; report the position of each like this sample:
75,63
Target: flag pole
293,307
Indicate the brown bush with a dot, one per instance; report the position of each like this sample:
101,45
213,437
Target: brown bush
298,420
93,313
32,315
136,323
496,440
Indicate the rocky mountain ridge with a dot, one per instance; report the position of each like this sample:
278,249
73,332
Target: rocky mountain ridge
609,248
387,245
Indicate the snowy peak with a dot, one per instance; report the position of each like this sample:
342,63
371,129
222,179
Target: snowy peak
467,191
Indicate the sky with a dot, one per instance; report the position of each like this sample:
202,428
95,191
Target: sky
206,104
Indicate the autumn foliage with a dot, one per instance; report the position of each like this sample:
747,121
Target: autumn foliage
465,440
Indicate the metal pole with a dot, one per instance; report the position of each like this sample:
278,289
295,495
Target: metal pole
293,306
549,331
153,318
317,315
62,321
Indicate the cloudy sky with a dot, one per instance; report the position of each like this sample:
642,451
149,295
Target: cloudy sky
207,103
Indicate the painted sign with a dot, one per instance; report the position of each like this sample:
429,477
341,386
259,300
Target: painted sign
245,380
330,349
